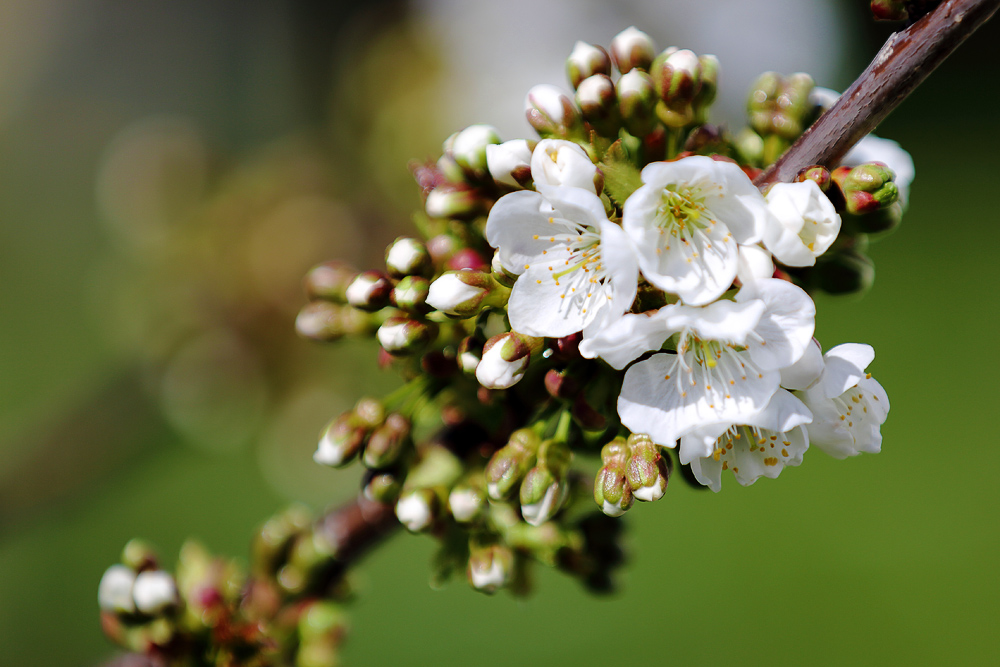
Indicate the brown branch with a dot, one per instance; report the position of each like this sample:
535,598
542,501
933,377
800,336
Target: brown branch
905,60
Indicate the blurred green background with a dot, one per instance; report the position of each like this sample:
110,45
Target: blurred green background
167,173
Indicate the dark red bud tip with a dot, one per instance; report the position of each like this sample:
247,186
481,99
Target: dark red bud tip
467,258
860,202
438,364
568,347
385,360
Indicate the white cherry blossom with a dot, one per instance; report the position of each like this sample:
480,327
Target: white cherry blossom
555,162
761,446
727,363
803,223
849,406
577,270
686,222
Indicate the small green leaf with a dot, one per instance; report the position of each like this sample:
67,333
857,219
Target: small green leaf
621,176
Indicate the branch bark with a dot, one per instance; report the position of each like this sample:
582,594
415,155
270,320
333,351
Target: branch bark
905,60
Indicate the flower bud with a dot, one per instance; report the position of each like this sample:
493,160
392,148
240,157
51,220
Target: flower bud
818,174
552,113
510,162
154,591
453,201
542,495
410,294
648,471
749,147
499,273
467,258
387,442
370,412
407,257
598,102
585,61
637,102
511,463
381,486
867,187
632,48
329,281
676,74
490,567
465,293
612,492
416,508
889,10
780,105
323,321
114,593
139,555
341,440
466,502
369,291
505,359
562,163
469,147
709,70
400,336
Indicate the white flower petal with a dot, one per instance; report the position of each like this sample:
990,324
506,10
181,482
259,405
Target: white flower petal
786,327
556,162
625,339
723,320
802,225
806,371
845,366
754,264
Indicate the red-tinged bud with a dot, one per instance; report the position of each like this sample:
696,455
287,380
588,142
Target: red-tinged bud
369,291
598,102
560,384
454,201
631,49
637,102
387,442
407,257
889,10
402,336
567,348
552,113
819,175
467,258
585,61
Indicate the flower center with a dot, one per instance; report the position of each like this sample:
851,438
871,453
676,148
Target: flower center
765,446
681,209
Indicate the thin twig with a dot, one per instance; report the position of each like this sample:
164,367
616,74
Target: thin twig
905,60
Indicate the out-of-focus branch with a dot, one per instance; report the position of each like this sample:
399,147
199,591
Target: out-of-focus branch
903,62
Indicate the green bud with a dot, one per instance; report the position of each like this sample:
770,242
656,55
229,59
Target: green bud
387,442
470,353
542,495
780,105
407,257
370,412
511,462
648,471
382,486
618,450
499,273
369,291
676,75
709,87
139,555
585,61
818,174
410,294
845,272
329,281
631,49
273,538
341,440
417,509
467,500
637,102
612,492
866,188
749,147
490,567
467,292
401,336
598,102
321,619
454,201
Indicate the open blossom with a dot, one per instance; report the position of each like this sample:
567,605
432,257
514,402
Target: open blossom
576,269
686,222
727,363
761,446
849,406
803,223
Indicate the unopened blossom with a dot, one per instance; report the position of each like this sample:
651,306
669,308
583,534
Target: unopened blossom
803,223
115,590
154,591
686,223
509,163
760,446
727,363
556,162
469,146
577,270
849,406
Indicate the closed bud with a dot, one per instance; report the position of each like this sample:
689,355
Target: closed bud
552,113
561,384
676,74
490,567
467,502
818,174
647,471
598,102
401,336
469,147
329,281
560,163
387,442
139,555
467,258
585,61
749,147
370,412
470,353
632,48
511,463
499,273
890,10
709,87
369,291
448,169
341,440
844,272
612,492
509,163
465,293
407,257
542,495
325,322
381,486
867,187
637,102
154,591
780,105
114,593
416,509
505,359
410,294
453,201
